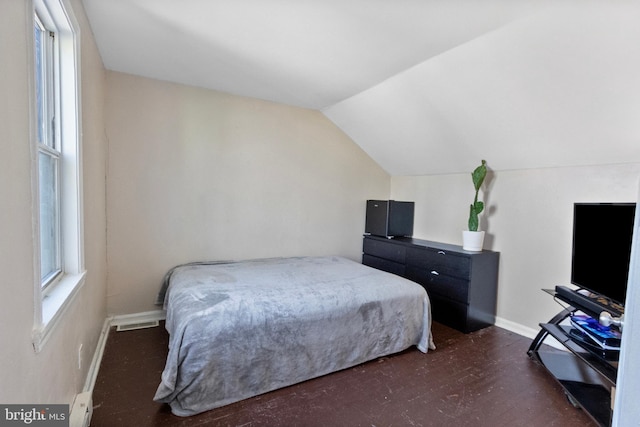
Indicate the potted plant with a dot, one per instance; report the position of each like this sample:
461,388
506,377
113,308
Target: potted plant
473,239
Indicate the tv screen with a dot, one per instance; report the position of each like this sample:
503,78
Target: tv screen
602,234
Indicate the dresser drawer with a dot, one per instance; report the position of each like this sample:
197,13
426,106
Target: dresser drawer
435,283
384,249
442,262
383,264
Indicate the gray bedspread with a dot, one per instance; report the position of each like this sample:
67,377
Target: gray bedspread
240,329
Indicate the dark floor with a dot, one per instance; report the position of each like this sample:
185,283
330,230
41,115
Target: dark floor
480,379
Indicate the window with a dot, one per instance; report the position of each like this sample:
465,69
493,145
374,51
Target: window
49,154
56,142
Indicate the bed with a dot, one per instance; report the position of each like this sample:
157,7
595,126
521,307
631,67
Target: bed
240,329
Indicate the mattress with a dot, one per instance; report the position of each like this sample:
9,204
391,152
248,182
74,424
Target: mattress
240,329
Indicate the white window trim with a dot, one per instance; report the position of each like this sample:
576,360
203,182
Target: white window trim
50,304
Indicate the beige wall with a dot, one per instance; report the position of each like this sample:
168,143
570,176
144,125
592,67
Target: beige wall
201,175
529,221
51,376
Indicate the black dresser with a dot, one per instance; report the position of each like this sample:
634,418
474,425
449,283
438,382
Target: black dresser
462,285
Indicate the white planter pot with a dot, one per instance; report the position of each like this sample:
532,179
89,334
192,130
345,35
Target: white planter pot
472,240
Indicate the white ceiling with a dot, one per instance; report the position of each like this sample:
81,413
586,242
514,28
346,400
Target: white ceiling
423,86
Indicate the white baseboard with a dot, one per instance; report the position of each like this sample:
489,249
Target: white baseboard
527,332
82,407
92,374
517,328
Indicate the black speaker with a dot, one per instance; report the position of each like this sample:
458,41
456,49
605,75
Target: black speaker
389,218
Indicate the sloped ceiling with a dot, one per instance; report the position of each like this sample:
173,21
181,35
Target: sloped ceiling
423,86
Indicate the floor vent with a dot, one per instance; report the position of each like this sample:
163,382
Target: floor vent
139,325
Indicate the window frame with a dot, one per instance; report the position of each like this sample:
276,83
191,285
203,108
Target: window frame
47,69
54,293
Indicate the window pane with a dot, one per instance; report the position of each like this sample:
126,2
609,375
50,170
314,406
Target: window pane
49,217
40,85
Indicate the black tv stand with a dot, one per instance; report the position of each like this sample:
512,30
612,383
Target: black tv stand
591,303
586,372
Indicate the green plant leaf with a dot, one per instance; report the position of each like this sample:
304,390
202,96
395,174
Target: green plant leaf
473,219
478,175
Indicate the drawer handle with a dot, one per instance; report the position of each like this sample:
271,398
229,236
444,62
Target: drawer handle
442,252
435,273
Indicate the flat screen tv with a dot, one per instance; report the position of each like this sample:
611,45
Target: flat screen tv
602,234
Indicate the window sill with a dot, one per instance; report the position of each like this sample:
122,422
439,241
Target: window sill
55,303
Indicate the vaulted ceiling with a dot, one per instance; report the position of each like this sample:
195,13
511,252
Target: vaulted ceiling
423,86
